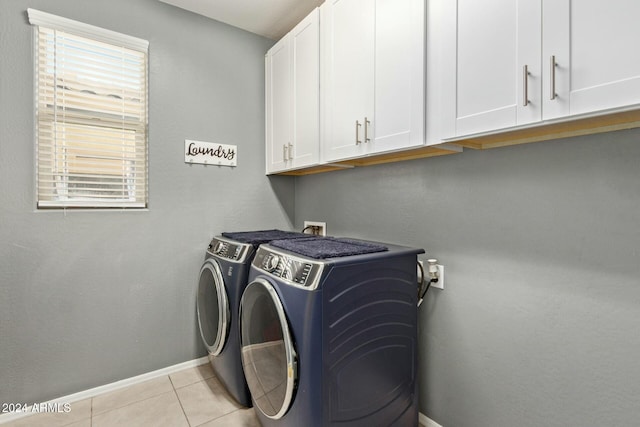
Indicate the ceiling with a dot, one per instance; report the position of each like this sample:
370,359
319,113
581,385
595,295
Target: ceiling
268,18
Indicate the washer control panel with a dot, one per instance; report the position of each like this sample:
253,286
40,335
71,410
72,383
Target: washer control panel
228,249
294,270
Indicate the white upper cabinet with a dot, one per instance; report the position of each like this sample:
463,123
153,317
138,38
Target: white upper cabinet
399,76
489,65
597,62
347,30
278,105
508,63
305,53
372,76
292,74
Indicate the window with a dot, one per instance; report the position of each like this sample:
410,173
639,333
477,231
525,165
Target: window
91,115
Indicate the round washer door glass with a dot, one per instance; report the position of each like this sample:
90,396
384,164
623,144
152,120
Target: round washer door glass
268,354
213,308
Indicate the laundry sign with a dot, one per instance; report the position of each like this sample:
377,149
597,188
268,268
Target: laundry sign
210,153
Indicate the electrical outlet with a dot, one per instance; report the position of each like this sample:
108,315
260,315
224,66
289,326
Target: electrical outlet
315,227
440,283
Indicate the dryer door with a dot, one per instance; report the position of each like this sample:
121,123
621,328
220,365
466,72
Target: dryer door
268,353
213,308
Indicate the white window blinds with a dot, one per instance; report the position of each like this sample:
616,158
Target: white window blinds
91,116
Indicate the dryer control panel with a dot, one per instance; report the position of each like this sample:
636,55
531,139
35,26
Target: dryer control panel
229,250
294,270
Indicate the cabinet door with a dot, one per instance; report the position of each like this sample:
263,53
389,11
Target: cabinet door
484,57
597,62
278,106
399,75
347,29
305,121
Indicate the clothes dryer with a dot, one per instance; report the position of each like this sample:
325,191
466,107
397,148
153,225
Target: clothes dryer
329,333
223,277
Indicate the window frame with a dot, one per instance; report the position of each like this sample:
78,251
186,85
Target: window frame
132,136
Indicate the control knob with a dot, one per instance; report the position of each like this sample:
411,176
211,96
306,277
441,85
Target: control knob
272,263
219,248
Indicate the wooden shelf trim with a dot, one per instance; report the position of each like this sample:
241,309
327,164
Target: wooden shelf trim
565,129
376,159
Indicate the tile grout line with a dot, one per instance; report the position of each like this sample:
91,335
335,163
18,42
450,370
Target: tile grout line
129,404
217,418
203,380
175,391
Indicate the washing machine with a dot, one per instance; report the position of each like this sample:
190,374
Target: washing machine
223,277
329,333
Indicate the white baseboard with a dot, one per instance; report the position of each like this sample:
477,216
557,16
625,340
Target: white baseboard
426,421
92,392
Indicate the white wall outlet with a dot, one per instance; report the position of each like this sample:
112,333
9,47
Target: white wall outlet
315,227
440,283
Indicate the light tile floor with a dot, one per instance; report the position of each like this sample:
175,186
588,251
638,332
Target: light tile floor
191,397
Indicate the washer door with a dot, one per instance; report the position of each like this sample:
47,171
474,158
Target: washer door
268,353
212,307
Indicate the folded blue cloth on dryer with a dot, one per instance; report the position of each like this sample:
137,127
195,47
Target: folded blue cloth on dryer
328,247
262,236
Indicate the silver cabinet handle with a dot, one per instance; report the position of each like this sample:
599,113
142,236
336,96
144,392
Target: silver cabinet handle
525,86
290,151
366,130
552,73
284,152
358,133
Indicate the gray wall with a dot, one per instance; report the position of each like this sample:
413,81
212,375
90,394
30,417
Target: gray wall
88,298
538,323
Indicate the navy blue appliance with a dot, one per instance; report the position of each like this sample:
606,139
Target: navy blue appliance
222,280
329,333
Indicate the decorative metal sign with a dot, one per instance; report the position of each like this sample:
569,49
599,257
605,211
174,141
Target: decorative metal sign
209,153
